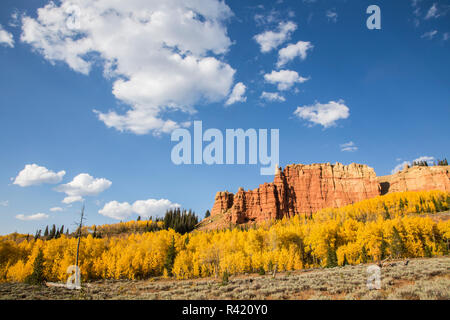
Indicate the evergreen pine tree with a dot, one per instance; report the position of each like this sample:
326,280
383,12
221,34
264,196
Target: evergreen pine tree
397,246
180,221
427,251
170,258
261,271
331,257
52,233
225,277
37,277
386,212
436,205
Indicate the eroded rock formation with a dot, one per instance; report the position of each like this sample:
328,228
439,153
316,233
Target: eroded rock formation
304,189
417,179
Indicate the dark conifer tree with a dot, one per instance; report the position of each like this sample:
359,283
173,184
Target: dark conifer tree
37,235
170,258
397,246
331,257
52,233
181,221
37,277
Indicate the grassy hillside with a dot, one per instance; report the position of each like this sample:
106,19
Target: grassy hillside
419,279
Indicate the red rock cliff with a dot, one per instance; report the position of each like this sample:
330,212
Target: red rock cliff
299,189
304,189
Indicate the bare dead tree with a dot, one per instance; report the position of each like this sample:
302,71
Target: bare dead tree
80,227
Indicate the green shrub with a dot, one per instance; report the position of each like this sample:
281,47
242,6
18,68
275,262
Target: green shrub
225,277
261,271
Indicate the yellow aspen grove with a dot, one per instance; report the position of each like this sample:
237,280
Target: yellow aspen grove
398,225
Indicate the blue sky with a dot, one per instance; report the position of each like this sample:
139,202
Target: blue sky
377,97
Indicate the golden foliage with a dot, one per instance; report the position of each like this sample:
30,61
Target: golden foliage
358,233
389,206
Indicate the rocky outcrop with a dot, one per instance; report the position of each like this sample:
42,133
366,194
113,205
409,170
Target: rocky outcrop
417,179
222,202
304,189
300,189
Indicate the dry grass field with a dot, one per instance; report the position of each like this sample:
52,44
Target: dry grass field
422,279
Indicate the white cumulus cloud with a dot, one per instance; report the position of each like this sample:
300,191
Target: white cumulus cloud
162,56
144,208
349,147
83,185
72,199
153,207
237,95
272,96
292,51
269,40
6,38
4,203
56,209
116,210
325,115
37,216
33,174
284,79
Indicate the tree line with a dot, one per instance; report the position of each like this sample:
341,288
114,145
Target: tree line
53,233
424,163
180,220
